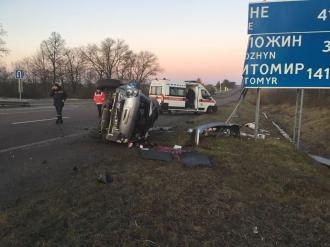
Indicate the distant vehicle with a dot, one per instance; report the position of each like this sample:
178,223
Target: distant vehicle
127,113
185,96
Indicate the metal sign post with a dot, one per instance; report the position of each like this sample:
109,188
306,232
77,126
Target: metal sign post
257,117
302,92
20,89
295,127
19,74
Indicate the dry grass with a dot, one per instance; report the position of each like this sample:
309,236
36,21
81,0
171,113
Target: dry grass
257,193
315,129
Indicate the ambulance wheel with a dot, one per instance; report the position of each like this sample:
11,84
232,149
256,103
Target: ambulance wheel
209,110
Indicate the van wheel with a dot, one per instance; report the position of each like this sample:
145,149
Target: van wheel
209,110
215,108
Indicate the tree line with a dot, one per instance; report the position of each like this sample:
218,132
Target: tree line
77,68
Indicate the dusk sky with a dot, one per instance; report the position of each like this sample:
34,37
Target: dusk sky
192,38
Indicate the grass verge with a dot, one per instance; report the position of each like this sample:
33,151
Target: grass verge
257,193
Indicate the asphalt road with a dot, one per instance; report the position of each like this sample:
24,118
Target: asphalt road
35,152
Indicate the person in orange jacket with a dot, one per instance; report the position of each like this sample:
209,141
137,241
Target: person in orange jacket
99,98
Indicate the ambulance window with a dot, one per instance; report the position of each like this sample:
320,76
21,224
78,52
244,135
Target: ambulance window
205,94
156,90
178,92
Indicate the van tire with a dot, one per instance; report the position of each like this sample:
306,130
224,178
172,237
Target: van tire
209,110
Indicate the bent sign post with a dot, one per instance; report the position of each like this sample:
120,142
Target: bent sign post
289,47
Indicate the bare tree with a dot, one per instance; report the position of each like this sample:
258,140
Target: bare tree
54,48
41,69
146,65
107,57
125,70
3,49
74,67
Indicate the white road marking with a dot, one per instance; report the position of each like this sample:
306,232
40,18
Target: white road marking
39,120
26,146
34,109
26,112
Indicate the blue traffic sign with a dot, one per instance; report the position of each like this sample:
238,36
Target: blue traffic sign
19,74
289,16
297,60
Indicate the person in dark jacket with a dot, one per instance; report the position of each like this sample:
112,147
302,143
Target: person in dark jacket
190,98
59,96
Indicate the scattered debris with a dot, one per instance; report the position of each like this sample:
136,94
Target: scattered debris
322,160
283,133
193,159
261,136
130,144
255,230
250,125
156,155
44,162
177,147
214,129
75,168
253,127
243,134
104,178
177,153
265,115
162,129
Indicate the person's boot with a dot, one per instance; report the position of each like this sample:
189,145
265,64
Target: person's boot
61,120
58,120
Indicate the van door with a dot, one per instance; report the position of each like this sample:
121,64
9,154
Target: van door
177,98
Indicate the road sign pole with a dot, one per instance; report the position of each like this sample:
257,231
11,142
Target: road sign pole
295,128
300,117
20,89
257,117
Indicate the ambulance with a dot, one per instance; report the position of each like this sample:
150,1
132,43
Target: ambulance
187,96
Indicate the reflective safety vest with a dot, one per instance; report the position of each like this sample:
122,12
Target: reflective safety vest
99,98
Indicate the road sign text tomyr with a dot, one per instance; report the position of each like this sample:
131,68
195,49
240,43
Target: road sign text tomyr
288,60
